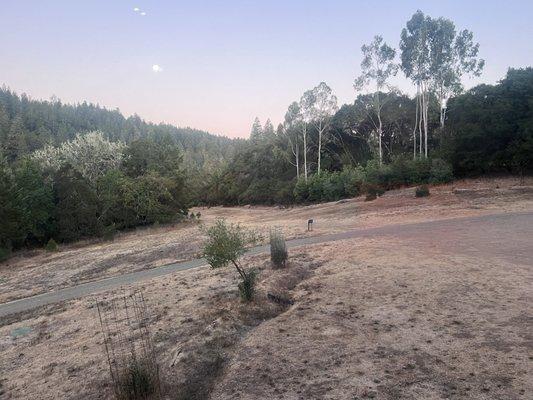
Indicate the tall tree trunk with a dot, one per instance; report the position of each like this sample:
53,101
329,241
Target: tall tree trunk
420,123
442,106
319,146
297,154
304,134
377,105
426,127
425,117
416,122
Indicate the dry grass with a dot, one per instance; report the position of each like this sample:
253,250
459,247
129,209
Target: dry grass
414,317
34,272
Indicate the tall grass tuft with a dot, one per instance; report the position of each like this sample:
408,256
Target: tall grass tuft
278,249
247,286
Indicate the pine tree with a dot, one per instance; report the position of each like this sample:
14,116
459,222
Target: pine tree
257,130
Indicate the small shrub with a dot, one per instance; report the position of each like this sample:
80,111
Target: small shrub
422,191
441,171
373,191
137,381
198,215
108,233
247,285
278,249
51,246
5,253
371,196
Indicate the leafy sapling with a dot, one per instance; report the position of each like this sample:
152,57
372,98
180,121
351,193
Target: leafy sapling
226,244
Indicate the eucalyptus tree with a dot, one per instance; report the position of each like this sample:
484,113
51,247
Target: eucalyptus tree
435,58
377,67
319,105
452,56
306,116
291,128
416,65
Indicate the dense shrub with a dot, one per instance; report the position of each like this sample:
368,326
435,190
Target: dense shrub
51,246
278,248
422,191
5,253
441,171
109,232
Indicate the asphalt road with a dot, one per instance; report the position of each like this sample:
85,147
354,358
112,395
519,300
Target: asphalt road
506,236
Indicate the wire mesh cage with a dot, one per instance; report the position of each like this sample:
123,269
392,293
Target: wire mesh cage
124,322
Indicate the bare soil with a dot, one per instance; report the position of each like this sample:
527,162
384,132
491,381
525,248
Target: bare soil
430,315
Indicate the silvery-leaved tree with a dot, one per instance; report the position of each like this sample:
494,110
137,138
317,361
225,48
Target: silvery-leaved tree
305,105
435,58
318,106
377,68
416,65
452,56
291,129
90,154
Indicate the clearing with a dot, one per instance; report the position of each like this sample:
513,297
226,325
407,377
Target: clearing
437,312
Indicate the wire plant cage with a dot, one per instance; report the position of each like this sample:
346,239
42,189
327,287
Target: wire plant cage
130,353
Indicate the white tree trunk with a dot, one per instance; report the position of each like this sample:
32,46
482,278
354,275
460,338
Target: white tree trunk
416,122
319,146
425,117
297,156
380,134
304,134
420,123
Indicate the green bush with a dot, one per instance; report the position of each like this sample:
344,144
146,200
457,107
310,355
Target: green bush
51,246
109,232
225,244
5,253
378,175
353,179
441,171
247,286
418,171
422,191
278,249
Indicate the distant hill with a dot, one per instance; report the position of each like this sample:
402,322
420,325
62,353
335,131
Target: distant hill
27,125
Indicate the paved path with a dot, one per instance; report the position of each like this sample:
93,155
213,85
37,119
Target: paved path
508,235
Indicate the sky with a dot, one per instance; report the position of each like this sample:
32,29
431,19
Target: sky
216,65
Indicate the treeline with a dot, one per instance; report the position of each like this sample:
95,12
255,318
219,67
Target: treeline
488,129
89,187
27,125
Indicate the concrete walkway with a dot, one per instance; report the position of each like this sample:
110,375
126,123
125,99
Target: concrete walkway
483,230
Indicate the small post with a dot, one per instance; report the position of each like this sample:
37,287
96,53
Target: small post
309,225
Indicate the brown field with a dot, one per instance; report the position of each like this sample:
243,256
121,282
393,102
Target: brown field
410,317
